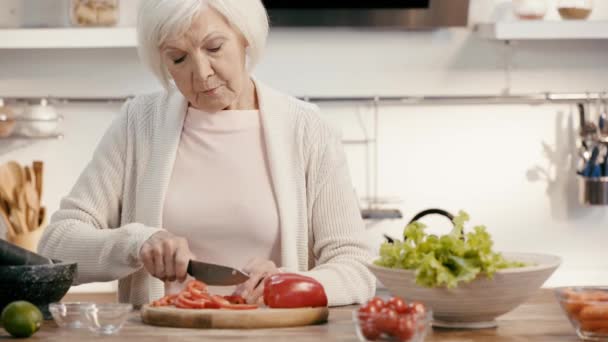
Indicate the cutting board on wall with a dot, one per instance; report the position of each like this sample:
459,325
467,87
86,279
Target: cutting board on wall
233,319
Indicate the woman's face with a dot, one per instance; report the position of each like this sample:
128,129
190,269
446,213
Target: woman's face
208,64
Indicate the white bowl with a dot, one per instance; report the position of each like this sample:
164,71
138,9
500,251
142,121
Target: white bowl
38,120
478,303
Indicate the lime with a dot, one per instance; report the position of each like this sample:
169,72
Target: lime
21,319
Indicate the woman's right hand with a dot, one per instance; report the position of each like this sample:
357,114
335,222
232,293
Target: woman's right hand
166,256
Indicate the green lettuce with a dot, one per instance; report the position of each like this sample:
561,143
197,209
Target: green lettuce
445,260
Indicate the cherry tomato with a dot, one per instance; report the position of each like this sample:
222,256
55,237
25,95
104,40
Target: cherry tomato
406,327
369,330
397,304
369,310
387,320
377,301
417,308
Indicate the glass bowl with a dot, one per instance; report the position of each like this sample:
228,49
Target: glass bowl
587,309
70,315
107,319
412,327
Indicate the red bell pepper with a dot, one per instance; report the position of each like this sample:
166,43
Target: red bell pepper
290,290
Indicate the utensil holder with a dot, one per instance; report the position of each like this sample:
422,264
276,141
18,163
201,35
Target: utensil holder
28,240
593,191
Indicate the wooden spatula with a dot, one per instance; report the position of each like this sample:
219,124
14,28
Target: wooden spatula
7,185
10,232
41,216
16,172
38,172
33,205
16,221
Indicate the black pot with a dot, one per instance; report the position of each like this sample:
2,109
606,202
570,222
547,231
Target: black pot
37,284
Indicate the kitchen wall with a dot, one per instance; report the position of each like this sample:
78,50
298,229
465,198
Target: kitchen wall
508,166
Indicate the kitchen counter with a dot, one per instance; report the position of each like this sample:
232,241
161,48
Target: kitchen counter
540,319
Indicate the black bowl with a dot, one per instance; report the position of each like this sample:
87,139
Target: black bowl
37,284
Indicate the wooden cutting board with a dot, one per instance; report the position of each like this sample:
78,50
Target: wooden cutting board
233,319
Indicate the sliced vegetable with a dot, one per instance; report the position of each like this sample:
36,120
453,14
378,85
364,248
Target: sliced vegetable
195,296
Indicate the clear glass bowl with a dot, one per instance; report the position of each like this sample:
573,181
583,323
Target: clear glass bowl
587,309
70,315
409,328
107,319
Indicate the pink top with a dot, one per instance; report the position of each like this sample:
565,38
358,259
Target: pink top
220,195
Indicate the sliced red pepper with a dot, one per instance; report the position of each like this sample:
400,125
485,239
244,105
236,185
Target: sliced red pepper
198,285
184,299
235,299
290,290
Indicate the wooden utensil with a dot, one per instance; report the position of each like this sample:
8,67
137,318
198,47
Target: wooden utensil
33,204
17,173
7,185
10,232
29,174
16,221
233,319
41,216
38,171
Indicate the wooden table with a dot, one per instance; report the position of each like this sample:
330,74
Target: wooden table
538,320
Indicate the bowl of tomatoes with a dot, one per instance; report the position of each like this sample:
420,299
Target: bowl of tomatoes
587,310
392,320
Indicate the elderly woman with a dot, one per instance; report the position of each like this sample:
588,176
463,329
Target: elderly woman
218,167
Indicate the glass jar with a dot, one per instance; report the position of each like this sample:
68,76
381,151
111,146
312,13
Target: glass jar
530,9
574,9
94,12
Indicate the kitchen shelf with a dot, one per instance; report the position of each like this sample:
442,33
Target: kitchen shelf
544,30
26,137
67,38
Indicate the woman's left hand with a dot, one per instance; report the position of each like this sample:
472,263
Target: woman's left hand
253,289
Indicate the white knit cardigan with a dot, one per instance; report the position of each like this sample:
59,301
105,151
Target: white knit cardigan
117,202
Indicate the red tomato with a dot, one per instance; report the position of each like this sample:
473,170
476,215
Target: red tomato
377,301
387,320
289,290
417,308
369,330
397,304
406,328
368,310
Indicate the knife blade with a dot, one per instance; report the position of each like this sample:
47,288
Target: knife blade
216,275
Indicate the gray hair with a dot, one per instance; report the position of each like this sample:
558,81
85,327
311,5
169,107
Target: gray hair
159,20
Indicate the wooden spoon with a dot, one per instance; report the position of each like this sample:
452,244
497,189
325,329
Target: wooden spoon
7,185
17,172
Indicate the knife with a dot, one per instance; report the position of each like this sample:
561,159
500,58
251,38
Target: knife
216,275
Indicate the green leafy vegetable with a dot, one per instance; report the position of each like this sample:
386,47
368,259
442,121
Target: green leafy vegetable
445,260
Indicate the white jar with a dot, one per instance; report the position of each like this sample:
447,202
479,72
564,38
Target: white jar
38,120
